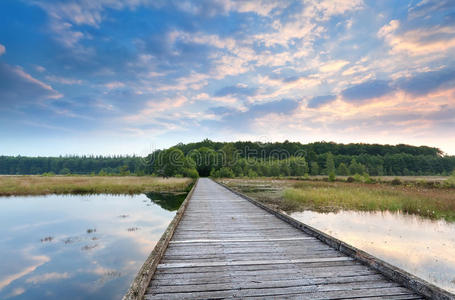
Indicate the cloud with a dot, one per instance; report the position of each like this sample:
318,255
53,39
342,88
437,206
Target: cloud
318,101
236,119
16,292
154,108
46,277
426,82
236,90
333,66
38,261
114,85
17,86
420,41
62,80
40,69
2,50
367,90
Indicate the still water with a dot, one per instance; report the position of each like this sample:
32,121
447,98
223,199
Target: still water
78,247
419,246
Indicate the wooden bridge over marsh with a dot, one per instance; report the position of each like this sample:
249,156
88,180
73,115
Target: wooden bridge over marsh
224,245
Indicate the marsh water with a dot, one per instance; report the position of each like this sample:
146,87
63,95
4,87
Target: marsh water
423,247
78,247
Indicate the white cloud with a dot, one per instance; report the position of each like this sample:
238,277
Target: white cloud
65,15
154,107
29,78
40,69
114,85
63,80
2,49
47,277
333,66
38,261
419,41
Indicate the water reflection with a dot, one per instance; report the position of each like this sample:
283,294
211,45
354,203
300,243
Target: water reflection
420,246
168,201
77,247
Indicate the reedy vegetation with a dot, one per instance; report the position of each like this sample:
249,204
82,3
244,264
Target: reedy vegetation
42,185
323,196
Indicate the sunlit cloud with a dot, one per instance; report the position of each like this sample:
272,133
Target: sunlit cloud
46,277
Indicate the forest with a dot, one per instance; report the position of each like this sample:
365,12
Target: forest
254,159
63,165
251,159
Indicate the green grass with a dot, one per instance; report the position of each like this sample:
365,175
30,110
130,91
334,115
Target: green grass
42,185
430,203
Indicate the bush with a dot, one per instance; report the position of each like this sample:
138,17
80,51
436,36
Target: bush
48,174
396,181
226,172
358,178
65,171
252,174
332,176
192,173
450,182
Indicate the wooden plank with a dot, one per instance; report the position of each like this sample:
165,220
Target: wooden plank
252,262
241,241
281,292
303,285
264,279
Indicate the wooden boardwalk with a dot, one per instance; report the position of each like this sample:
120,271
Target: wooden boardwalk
227,247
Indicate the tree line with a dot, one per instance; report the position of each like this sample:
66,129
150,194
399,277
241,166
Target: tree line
100,165
221,159
208,158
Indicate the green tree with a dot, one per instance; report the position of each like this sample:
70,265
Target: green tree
314,168
342,170
356,168
65,171
226,172
205,159
329,164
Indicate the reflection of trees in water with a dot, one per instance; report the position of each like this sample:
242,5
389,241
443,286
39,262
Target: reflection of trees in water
168,201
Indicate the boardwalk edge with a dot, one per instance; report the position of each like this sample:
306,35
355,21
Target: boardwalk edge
141,281
396,274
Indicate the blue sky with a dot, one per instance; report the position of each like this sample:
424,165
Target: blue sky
126,77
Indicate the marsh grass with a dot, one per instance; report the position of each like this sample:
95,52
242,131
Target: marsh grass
322,196
429,203
42,185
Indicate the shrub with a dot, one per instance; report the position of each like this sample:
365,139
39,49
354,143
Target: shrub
48,174
192,173
332,176
358,178
396,181
350,179
450,182
65,171
226,172
252,174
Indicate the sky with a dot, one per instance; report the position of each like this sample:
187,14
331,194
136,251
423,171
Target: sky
130,76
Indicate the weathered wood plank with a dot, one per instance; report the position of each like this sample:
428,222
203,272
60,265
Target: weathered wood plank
280,292
251,262
241,241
